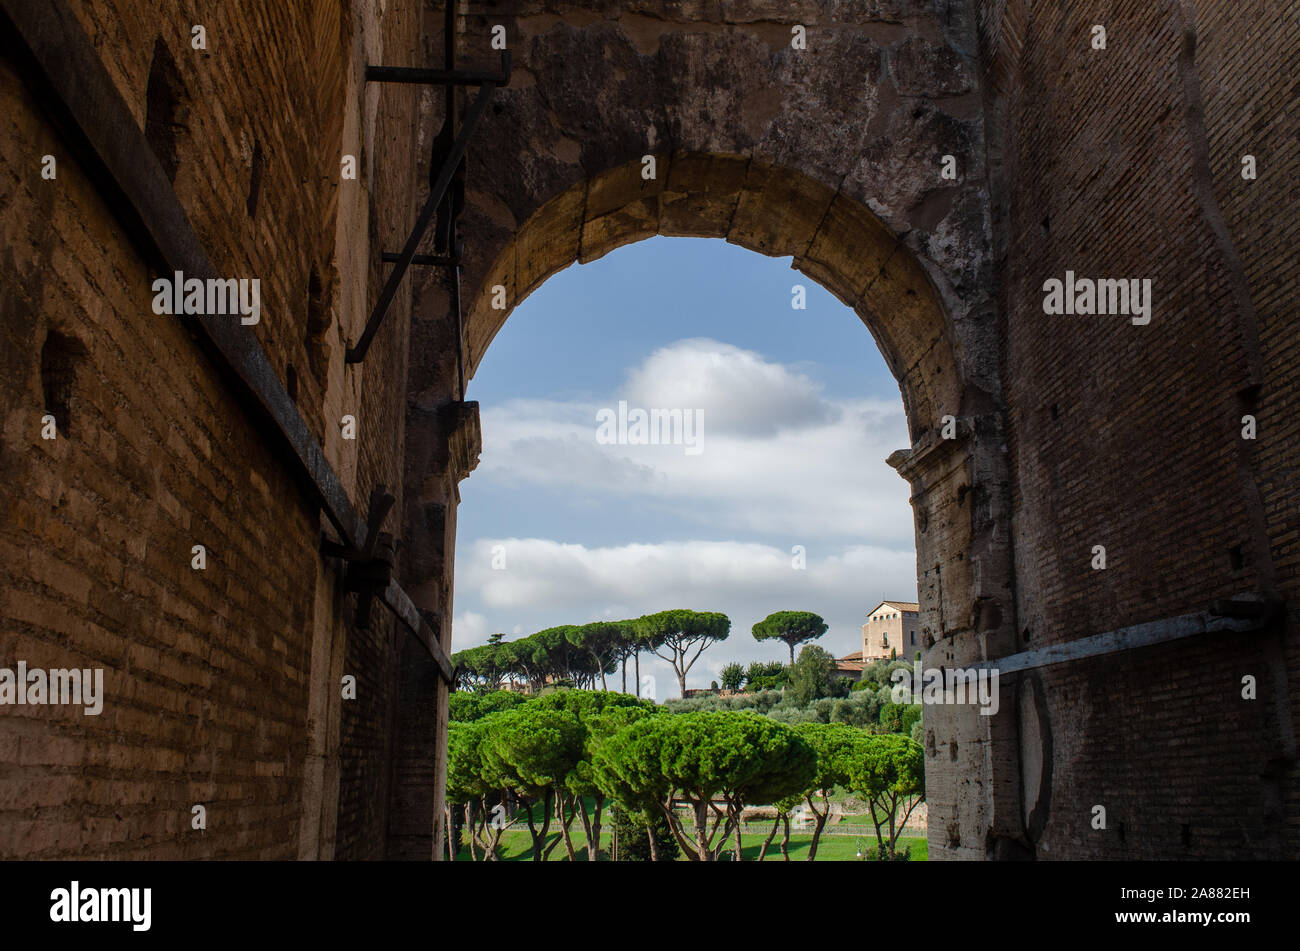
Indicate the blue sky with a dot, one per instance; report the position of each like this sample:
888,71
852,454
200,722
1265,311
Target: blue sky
796,414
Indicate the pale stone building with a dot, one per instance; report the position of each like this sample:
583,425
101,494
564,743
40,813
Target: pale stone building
893,629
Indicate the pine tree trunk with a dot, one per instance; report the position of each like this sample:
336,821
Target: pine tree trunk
532,832
817,831
581,806
540,840
564,826
893,836
469,832
593,834
493,839
702,850
762,853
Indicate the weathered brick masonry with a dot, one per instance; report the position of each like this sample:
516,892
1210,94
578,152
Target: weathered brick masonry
222,685
1127,162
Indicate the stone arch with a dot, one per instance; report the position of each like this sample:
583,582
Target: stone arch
842,245
834,240
834,158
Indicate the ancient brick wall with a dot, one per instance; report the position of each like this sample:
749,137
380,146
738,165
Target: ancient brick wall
1126,162
222,686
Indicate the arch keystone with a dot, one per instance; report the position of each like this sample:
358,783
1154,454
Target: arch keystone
758,226
701,195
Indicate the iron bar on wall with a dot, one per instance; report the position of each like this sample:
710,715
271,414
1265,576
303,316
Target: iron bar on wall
451,162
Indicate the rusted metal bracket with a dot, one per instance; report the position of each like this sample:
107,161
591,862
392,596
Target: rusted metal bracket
381,502
369,566
369,574
451,162
440,77
372,576
425,260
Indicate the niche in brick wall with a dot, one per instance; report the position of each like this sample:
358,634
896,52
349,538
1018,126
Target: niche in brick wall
59,357
319,294
166,110
255,180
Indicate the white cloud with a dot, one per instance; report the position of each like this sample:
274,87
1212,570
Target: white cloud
738,391
773,480
470,627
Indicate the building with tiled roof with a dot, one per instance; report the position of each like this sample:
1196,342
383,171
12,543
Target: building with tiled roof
850,666
893,629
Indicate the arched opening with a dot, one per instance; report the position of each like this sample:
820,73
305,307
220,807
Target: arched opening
776,498
953,465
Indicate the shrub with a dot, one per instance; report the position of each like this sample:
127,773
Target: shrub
760,702
465,706
634,844
770,676
911,716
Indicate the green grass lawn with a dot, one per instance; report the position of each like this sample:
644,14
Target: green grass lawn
516,846
830,847
516,843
